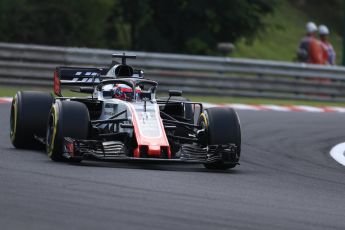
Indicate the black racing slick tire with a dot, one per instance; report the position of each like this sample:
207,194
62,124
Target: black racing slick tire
29,115
66,119
222,126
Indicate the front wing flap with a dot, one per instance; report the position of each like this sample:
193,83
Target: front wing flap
117,151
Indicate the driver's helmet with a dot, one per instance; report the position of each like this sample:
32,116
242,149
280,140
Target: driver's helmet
124,92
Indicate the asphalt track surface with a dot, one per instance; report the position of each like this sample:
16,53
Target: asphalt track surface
286,180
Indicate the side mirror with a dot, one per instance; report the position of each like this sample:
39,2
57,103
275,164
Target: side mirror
175,93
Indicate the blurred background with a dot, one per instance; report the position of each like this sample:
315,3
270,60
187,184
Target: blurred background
263,29
260,39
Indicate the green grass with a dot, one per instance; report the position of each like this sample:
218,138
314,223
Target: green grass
9,92
282,37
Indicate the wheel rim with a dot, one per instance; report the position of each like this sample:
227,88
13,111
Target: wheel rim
204,124
51,131
13,119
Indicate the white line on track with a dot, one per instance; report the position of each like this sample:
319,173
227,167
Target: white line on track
243,107
276,108
309,108
338,153
5,99
336,109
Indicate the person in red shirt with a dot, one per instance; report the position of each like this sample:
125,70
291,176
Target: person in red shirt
310,49
316,52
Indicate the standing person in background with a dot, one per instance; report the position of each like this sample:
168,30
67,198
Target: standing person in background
330,55
310,49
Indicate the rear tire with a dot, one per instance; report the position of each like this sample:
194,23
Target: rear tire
222,126
29,115
66,119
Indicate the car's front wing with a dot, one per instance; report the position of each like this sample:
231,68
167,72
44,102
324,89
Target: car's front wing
117,151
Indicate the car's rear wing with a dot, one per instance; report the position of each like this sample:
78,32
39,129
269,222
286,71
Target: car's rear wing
76,76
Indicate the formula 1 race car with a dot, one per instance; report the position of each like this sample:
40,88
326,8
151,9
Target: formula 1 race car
122,120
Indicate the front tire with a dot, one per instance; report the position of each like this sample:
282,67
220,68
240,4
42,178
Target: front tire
29,115
66,119
222,126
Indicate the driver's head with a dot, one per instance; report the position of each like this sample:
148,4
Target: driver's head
124,92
